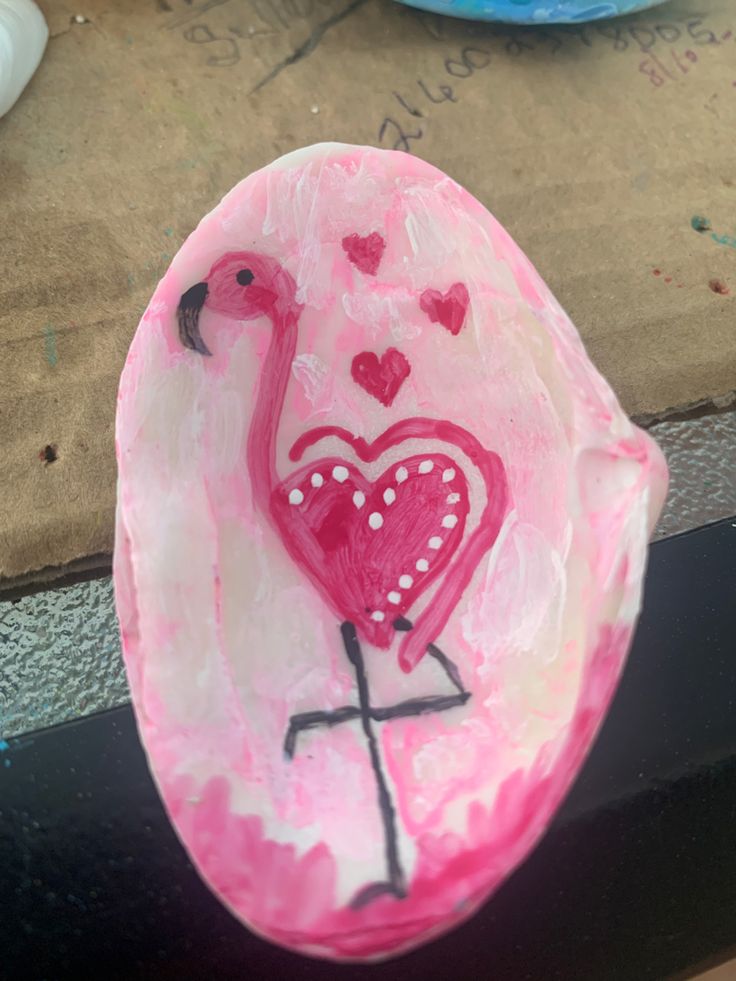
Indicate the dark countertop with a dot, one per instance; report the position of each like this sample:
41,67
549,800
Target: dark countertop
635,880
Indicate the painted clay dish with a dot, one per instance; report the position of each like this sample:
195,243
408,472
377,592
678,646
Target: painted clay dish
381,535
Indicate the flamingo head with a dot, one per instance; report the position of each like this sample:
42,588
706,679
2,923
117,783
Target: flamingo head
241,285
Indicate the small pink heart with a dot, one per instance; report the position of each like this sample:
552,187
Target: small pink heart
365,251
448,309
381,379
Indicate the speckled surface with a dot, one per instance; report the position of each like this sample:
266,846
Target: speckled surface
59,650
701,454
59,657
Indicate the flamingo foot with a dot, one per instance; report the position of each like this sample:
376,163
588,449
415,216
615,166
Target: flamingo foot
412,706
402,710
311,720
373,891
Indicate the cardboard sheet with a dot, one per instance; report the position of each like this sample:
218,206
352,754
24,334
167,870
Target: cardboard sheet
607,151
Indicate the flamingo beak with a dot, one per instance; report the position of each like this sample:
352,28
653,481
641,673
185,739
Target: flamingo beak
187,315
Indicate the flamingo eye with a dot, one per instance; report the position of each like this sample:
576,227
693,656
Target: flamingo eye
245,277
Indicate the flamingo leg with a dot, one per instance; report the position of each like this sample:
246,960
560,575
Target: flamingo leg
412,706
368,714
396,883
311,720
450,670
419,706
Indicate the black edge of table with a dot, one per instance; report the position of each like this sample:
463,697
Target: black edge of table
635,880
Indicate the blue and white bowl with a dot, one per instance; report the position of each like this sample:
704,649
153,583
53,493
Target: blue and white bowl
533,11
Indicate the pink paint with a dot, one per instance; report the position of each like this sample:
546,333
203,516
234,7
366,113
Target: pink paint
358,541
381,377
364,251
419,803
454,873
448,309
428,626
254,549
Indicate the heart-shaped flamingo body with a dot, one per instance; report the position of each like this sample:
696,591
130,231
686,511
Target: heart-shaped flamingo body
373,547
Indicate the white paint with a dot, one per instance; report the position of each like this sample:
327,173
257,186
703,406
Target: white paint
378,616
422,565
426,228
340,474
426,466
389,495
453,498
404,330
225,423
372,310
406,582
449,521
359,499
317,480
401,474
312,374
448,475
435,542
295,496
394,597
375,520
524,613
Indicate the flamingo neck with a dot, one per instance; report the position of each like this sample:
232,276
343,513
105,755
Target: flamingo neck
269,406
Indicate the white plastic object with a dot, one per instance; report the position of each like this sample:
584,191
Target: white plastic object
23,37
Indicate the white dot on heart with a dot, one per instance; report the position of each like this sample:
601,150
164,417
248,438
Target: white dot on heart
449,521
295,496
378,616
422,565
426,466
359,499
435,542
340,474
317,480
453,498
389,495
375,520
406,582
394,597
401,474
448,475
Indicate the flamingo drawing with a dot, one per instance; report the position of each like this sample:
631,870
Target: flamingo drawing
371,548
